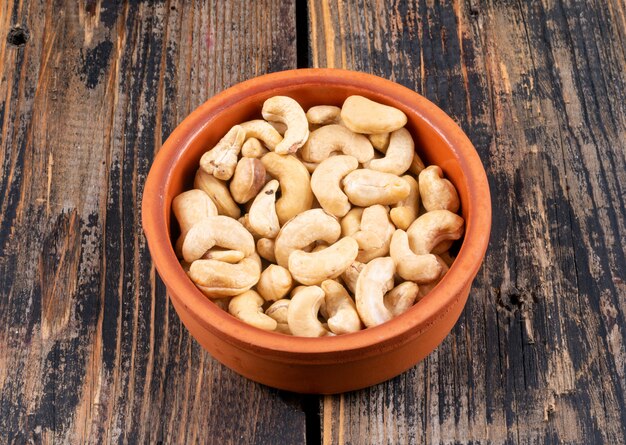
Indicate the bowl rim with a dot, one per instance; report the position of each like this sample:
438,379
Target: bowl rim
374,340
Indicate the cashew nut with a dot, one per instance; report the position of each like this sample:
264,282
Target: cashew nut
190,207
351,275
417,165
335,138
227,256
325,183
315,267
323,114
219,279
280,127
432,228
221,160
380,141
275,283
425,289
375,280
400,299
365,187
399,154
340,310
405,211
248,308
216,230
252,148
422,268
265,248
218,192
263,131
304,229
351,223
278,311
374,228
437,192
262,216
248,179
289,112
295,186
302,312
363,115
365,256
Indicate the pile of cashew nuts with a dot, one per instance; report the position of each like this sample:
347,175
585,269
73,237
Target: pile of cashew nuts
310,224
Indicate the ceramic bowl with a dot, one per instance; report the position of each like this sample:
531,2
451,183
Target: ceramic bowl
330,364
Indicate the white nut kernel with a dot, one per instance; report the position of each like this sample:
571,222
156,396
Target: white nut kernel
365,187
335,138
432,228
275,283
375,280
219,231
221,160
302,312
363,115
262,216
399,154
339,308
437,192
422,268
326,180
315,267
248,179
263,131
289,112
248,308
405,212
218,192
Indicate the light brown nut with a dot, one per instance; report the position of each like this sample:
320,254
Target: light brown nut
365,187
365,256
405,212
380,141
432,228
323,114
278,311
331,139
221,160
339,309
220,231
217,279
275,283
263,131
218,192
262,216
351,275
302,313
248,308
190,207
351,223
399,154
326,180
225,255
425,289
252,148
265,248
248,179
363,115
374,228
417,165
306,228
315,267
422,268
295,186
442,247
285,110
400,299
374,281
436,191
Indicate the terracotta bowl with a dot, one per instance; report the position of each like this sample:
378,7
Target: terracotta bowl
331,364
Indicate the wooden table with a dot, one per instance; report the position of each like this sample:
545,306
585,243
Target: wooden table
92,351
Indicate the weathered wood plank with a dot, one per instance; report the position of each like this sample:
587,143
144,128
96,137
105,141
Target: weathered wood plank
91,350
538,355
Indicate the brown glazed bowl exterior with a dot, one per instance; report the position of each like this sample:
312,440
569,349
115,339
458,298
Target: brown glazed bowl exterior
330,364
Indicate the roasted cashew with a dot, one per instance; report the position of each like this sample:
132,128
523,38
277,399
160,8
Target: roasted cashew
339,309
190,207
217,279
363,115
219,231
365,187
351,275
275,283
336,138
400,299
252,148
278,311
218,192
248,179
304,229
248,308
227,256
399,154
302,312
323,114
422,268
375,280
262,216
265,248
221,160
405,211
326,180
295,186
432,228
263,131
437,192
289,112
315,267
380,141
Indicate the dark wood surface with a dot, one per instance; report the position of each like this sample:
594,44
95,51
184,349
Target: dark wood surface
92,351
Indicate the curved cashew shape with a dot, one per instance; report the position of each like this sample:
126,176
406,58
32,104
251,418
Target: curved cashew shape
380,141
190,207
351,223
275,283
325,183
263,131
262,216
365,187
265,248
217,279
248,308
216,230
374,228
432,228
218,192
405,212
323,114
363,115
302,312
289,112
399,154
351,275
248,179
252,148
315,267
227,256
340,309
437,192
306,228
365,256
375,280
295,186
419,268
278,311
336,138
400,299
221,160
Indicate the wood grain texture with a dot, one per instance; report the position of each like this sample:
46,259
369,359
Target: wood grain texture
91,351
538,355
